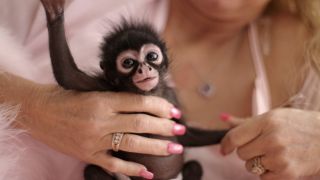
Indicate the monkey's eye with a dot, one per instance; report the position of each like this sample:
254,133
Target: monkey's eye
128,63
152,56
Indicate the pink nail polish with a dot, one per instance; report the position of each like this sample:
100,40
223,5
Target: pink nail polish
225,116
179,129
222,152
175,113
146,174
174,148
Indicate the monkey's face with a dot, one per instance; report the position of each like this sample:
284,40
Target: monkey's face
141,66
134,58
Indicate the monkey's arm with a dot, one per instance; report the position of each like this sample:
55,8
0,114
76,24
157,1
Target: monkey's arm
66,72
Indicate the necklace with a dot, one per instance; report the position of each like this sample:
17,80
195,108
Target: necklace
206,88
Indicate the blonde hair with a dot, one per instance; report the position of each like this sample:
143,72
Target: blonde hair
309,12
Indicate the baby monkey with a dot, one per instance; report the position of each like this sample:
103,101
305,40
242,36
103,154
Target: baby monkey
133,59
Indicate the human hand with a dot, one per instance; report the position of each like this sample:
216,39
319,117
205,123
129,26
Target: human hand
81,124
287,140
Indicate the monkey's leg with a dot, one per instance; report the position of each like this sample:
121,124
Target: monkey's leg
192,170
93,172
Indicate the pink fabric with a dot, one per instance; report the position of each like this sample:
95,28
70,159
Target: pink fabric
86,22
261,99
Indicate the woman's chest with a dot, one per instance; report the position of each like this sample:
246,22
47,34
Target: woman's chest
205,95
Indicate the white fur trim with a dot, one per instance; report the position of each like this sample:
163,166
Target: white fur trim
9,152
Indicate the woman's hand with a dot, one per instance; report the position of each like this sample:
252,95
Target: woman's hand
81,124
288,141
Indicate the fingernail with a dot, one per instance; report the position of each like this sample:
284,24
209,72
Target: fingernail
222,152
179,129
174,148
225,116
146,174
175,113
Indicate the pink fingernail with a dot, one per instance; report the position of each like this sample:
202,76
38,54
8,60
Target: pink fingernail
225,116
146,174
174,148
222,152
175,113
179,129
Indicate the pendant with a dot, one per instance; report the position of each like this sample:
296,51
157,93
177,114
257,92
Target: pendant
206,90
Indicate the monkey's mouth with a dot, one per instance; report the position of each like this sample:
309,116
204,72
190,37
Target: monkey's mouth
147,83
146,79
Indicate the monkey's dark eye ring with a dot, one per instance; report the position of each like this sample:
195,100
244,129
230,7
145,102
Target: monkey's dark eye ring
152,56
128,63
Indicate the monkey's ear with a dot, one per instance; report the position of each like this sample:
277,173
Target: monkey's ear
101,65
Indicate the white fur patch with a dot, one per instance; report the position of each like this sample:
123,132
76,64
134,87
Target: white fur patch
9,152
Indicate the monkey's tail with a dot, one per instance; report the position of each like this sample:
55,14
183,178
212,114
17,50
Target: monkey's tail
200,137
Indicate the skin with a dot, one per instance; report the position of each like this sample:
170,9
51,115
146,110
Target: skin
80,124
146,77
287,144
214,43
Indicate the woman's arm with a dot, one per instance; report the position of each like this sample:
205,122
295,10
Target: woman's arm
81,124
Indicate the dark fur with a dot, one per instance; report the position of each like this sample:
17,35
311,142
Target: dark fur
130,36
125,36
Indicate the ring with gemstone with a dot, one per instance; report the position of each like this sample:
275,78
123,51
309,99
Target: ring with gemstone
116,140
257,168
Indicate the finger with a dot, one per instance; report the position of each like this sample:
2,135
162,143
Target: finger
232,121
143,145
138,144
271,176
116,165
254,148
142,123
241,135
148,104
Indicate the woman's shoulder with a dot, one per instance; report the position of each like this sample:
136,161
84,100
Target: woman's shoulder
287,38
289,31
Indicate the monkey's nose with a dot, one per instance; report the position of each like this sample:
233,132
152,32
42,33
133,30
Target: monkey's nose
144,69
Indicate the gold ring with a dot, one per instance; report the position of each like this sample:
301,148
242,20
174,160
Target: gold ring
257,168
116,140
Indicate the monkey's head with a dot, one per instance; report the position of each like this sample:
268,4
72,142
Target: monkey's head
134,58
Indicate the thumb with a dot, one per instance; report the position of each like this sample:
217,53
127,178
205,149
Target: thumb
232,121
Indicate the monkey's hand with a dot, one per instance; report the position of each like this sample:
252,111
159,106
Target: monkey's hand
82,124
54,9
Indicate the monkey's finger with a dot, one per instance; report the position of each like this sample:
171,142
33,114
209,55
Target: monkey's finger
116,165
143,145
142,123
126,103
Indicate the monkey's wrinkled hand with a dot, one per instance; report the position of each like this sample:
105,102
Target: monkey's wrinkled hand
81,124
287,140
